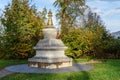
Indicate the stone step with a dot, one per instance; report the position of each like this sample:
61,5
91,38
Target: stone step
50,60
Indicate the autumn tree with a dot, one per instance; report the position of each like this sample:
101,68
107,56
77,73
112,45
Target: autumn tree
22,26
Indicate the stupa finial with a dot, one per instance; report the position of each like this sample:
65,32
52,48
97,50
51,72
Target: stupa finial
50,22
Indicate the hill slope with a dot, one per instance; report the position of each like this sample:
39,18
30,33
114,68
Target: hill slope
116,34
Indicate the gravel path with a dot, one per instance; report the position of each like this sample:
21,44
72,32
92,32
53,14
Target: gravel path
4,72
25,69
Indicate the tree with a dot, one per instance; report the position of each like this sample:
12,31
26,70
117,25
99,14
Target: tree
69,12
82,42
1,40
85,36
22,29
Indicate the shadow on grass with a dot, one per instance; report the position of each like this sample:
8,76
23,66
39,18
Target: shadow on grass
114,64
82,75
79,76
56,76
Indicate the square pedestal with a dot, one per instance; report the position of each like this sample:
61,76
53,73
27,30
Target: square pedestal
49,65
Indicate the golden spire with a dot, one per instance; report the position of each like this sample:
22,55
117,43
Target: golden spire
50,22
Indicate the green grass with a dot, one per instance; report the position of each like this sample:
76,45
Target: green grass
4,63
109,70
80,60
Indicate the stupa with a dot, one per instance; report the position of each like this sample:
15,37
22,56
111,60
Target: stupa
49,50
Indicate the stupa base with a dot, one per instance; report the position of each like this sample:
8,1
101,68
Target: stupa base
49,65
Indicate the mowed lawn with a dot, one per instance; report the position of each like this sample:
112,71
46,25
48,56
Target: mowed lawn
4,63
109,70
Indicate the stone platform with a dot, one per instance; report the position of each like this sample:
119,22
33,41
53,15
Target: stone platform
50,63
23,68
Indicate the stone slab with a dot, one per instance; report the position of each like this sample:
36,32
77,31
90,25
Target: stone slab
50,59
25,69
50,65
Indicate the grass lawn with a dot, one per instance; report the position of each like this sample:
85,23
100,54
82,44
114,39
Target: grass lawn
4,63
109,70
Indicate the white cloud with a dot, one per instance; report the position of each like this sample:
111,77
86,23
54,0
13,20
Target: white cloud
113,12
113,25
1,6
113,22
110,0
109,10
44,1
105,7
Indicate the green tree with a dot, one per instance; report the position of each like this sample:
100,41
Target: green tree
1,40
83,36
82,42
102,37
22,26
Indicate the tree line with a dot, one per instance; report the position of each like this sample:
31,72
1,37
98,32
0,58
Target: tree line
81,30
84,32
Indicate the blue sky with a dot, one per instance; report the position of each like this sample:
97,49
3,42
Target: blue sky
109,10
